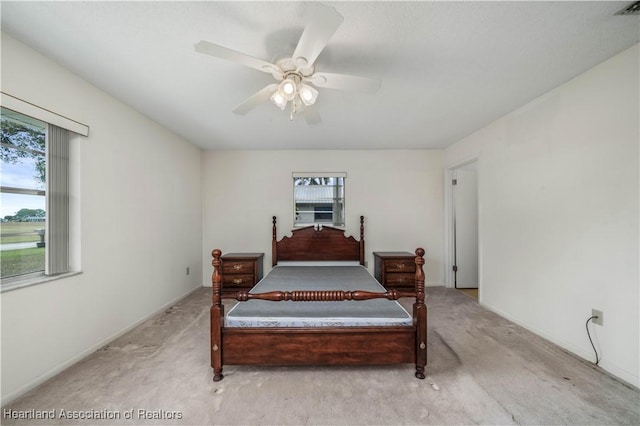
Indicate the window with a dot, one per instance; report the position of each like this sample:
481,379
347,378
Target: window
23,218
318,198
34,187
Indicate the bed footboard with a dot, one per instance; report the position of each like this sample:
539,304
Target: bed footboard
319,295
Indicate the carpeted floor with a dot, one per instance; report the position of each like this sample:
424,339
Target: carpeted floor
482,369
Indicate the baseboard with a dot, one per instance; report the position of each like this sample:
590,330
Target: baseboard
6,399
620,374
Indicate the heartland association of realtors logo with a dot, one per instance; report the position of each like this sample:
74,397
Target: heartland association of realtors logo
57,414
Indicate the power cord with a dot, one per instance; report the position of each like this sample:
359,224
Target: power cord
589,334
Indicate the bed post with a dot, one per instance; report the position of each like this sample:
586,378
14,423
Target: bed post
217,317
274,246
361,240
420,316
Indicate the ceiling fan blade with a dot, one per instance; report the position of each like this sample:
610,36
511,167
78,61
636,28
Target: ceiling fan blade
221,52
345,82
324,22
255,99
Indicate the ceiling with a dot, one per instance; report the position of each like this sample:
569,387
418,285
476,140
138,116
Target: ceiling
447,69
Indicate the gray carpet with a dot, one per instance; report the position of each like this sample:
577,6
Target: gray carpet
482,369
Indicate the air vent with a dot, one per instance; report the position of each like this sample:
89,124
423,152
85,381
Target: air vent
632,9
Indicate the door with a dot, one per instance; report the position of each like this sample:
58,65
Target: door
465,226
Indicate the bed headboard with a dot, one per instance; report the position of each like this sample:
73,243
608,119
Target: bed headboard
317,243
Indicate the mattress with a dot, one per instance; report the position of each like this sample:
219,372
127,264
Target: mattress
262,313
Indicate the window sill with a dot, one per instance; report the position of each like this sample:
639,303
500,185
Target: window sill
15,283
304,225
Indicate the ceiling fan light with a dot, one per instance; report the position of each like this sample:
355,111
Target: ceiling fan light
308,94
287,89
278,100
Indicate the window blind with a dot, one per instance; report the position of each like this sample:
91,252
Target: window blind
57,177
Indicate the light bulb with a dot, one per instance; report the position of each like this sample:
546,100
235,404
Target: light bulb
308,94
287,89
278,101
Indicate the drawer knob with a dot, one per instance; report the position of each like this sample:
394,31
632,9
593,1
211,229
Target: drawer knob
237,267
400,265
237,281
215,348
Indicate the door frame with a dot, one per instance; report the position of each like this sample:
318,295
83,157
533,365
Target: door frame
449,238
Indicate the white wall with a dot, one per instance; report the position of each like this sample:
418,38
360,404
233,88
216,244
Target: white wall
558,189
140,205
400,194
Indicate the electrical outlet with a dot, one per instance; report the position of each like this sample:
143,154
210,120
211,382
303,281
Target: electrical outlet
599,317
188,271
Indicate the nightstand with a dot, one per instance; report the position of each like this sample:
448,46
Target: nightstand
241,271
395,269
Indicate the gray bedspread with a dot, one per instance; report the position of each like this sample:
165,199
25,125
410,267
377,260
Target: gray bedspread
260,313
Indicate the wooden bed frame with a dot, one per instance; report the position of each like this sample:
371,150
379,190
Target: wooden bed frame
363,345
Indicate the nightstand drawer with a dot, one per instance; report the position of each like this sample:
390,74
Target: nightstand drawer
237,280
400,265
400,280
237,267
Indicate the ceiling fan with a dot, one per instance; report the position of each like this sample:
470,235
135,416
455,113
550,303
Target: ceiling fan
296,76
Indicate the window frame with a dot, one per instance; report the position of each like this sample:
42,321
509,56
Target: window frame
70,141
340,200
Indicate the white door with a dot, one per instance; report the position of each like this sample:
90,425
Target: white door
465,225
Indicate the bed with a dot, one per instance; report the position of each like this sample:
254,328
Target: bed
305,314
